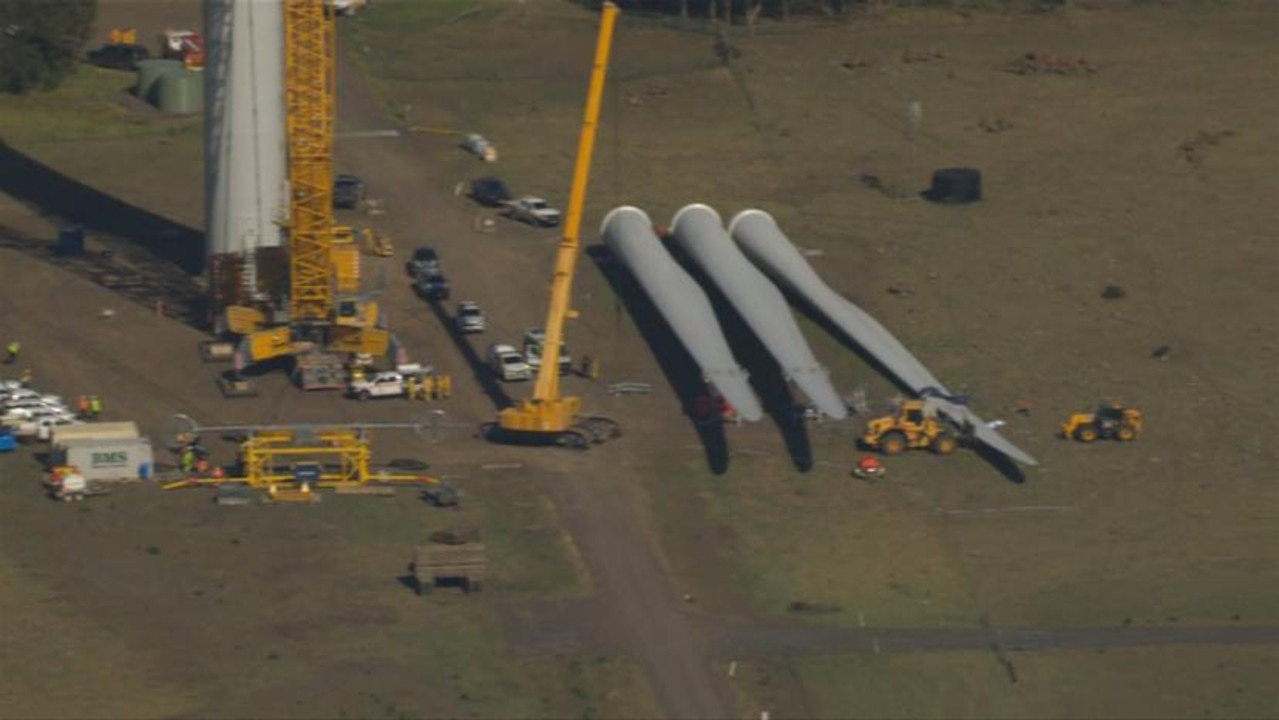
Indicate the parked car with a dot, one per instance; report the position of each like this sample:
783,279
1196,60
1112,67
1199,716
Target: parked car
36,413
490,191
470,318
532,210
348,191
432,286
38,401
119,57
507,363
534,338
424,259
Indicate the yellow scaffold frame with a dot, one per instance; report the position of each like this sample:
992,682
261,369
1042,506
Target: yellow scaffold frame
270,458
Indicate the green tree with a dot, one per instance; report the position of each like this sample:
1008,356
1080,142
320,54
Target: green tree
40,41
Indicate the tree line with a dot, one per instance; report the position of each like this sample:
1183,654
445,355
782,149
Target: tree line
40,41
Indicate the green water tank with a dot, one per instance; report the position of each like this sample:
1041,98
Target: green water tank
149,71
180,92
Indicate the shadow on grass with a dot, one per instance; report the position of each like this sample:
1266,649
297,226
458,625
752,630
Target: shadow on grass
677,365
766,375
30,181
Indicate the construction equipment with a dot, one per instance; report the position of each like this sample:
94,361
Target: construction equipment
547,417
290,458
324,318
375,243
1112,421
122,51
65,483
913,426
184,45
123,36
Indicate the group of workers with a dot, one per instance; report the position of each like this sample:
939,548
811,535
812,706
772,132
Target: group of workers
194,459
88,407
429,387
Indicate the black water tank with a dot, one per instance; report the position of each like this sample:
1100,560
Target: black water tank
955,185
70,240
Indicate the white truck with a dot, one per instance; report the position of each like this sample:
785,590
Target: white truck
508,364
72,487
107,460
42,428
470,318
532,210
383,384
534,338
64,434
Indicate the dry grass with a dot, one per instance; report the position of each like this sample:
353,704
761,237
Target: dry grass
1134,683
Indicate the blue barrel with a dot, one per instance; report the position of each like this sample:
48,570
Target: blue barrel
144,471
70,240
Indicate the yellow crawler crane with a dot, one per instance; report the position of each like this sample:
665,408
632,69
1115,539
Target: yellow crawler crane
324,318
547,418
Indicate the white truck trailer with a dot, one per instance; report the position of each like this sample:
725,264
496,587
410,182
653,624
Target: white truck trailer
63,434
107,460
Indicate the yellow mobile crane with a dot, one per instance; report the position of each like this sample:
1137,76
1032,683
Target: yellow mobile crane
547,417
322,324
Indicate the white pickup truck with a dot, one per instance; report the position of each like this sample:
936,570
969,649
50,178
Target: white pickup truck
383,384
532,210
508,364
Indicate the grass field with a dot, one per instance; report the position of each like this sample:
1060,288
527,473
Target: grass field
1133,683
920,550
1150,173
90,104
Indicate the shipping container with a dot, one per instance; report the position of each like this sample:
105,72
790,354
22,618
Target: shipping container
107,460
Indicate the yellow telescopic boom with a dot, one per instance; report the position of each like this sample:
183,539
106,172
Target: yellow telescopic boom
546,411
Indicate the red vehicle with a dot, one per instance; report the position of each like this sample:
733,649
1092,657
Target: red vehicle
184,45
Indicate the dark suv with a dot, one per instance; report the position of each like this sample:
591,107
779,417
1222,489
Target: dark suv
119,57
348,191
432,285
424,260
490,191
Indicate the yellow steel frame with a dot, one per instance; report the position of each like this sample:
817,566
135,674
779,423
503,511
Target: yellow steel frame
546,411
269,458
310,89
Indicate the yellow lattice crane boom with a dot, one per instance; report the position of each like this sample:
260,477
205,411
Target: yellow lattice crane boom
324,320
310,45
547,417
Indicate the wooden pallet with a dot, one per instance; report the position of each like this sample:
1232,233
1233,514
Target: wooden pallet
467,563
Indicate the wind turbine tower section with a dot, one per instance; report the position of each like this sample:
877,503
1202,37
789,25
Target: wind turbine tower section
246,204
